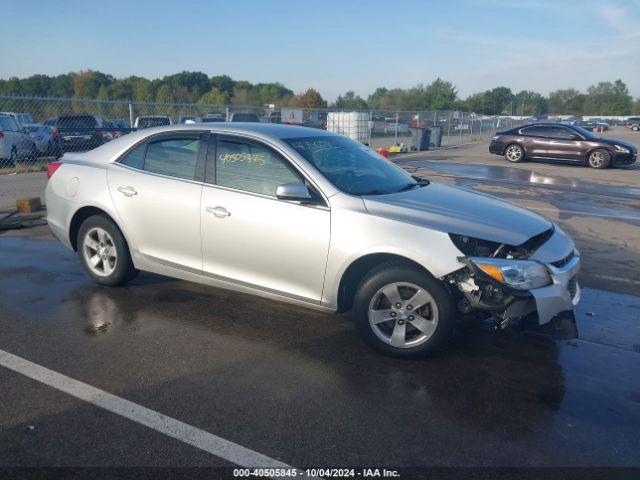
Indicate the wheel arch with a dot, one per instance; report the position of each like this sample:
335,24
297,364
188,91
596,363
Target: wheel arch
514,142
358,269
81,215
599,147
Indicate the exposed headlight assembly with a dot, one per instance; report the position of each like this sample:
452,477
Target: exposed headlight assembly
621,149
517,274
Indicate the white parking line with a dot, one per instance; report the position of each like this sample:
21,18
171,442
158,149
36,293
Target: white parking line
171,427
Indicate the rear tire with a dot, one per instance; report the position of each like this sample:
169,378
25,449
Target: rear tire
402,311
514,153
103,252
599,159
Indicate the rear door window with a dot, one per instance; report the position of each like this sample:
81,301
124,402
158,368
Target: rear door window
561,132
535,131
173,157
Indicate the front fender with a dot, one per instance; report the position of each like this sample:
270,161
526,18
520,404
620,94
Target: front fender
357,234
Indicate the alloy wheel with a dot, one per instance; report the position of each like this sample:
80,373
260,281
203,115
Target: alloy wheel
596,159
100,252
513,153
403,315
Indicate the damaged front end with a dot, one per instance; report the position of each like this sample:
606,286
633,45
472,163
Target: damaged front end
510,281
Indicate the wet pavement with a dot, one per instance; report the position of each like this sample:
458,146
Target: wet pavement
300,386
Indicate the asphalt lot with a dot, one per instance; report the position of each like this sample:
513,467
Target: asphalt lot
300,387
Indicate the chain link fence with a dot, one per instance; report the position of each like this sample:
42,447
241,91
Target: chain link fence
35,131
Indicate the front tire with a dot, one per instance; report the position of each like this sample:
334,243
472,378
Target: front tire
402,311
635,128
103,252
514,153
599,159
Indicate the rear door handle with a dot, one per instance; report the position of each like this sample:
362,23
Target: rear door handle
219,212
127,191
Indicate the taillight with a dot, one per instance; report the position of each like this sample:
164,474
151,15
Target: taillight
1,135
52,167
99,133
55,133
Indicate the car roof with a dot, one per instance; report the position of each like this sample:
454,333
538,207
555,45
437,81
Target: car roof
543,124
274,130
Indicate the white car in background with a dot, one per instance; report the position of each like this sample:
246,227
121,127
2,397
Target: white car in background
392,125
149,121
21,118
310,217
46,139
14,143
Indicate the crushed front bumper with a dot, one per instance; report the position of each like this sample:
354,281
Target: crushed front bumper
562,295
562,261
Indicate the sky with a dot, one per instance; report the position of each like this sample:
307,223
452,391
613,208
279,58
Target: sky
331,45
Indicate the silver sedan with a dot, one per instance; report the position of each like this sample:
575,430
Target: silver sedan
310,217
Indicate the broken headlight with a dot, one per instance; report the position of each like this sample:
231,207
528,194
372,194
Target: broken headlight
518,274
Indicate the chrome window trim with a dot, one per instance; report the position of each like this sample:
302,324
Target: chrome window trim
267,197
146,172
118,162
149,139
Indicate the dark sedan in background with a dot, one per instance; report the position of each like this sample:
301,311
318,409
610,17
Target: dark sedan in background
548,141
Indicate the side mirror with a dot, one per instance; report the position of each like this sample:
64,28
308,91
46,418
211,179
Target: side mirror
293,191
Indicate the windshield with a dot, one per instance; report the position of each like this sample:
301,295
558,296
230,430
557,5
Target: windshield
352,167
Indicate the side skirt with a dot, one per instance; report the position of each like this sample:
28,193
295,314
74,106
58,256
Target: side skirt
148,263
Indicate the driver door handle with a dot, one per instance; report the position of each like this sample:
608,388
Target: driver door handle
127,191
218,211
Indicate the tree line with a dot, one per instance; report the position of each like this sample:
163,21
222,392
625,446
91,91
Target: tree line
605,98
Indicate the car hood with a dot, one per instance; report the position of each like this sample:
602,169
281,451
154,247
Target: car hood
454,210
612,141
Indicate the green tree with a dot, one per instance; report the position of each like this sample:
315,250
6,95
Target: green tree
214,97
499,101
350,101
268,93
61,86
224,83
608,98
567,101
87,84
530,103
12,86
36,86
440,95
164,94
636,107
475,103
243,94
